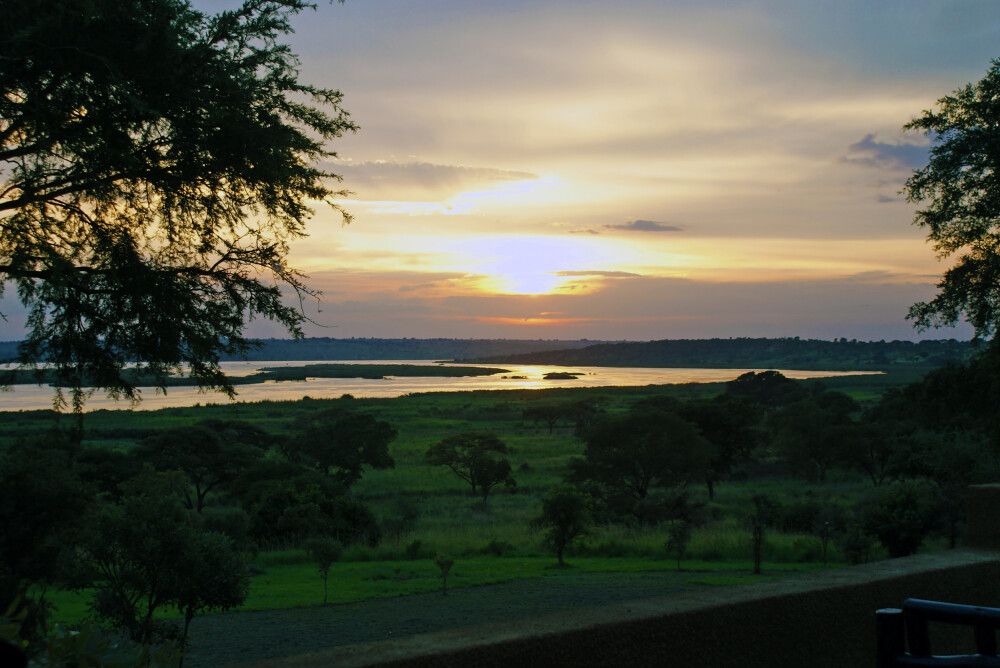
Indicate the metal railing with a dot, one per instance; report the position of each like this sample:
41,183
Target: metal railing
904,640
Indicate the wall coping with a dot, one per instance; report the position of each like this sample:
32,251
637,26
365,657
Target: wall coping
424,647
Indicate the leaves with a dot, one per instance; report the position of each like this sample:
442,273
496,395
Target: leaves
157,163
960,193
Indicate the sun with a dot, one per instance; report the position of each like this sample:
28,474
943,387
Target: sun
528,265
524,283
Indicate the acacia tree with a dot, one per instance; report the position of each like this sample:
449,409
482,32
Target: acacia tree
478,459
564,518
155,163
958,190
631,458
209,460
342,444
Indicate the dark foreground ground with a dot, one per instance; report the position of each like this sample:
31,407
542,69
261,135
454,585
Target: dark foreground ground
244,637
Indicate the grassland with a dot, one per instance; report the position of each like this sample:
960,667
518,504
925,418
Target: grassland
495,544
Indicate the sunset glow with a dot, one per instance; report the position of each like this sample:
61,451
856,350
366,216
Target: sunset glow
633,164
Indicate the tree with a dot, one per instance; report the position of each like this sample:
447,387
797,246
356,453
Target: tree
728,423
324,551
157,162
550,414
678,537
564,518
901,515
212,576
41,500
958,190
208,460
341,443
444,565
477,458
288,503
761,517
812,434
766,388
132,553
628,457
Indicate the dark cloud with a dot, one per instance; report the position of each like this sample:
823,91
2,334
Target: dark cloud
417,180
600,274
645,226
586,231
887,199
880,154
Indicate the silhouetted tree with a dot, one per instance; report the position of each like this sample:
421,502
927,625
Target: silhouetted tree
158,162
812,434
288,503
477,458
342,443
208,460
730,424
564,518
767,388
961,211
627,457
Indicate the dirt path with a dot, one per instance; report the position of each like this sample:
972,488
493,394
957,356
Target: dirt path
244,637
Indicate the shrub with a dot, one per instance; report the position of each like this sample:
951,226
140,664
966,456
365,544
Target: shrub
498,548
901,515
417,550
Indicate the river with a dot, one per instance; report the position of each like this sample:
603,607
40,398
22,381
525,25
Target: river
34,397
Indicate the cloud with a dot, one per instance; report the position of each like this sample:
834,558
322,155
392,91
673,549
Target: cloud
418,181
874,153
599,273
645,226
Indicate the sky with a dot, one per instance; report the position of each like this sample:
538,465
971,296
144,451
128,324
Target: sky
628,170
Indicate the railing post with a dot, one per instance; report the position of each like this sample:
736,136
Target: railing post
890,642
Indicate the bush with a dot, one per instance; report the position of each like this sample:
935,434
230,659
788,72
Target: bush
855,543
498,548
401,518
418,550
901,515
798,516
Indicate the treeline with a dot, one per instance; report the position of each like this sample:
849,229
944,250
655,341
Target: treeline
784,353
321,348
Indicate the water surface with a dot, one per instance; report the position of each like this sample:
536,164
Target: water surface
33,397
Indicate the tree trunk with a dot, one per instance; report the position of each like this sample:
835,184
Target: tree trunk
188,616
758,545
326,577
559,555
710,484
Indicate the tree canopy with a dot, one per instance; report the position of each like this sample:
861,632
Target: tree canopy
961,208
155,163
477,458
629,457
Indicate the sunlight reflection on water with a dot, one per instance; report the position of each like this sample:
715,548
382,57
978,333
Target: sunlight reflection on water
33,397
